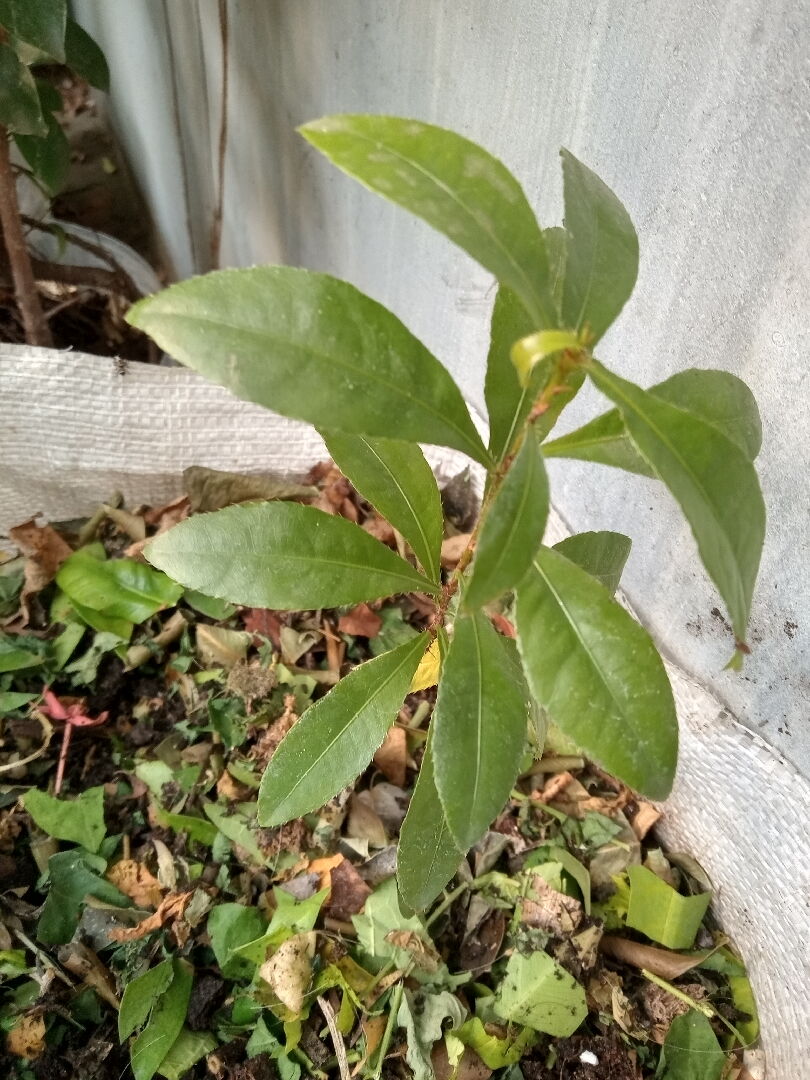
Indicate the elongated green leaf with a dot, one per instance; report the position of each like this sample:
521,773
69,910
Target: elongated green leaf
79,820
691,1050
49,157
427,856
712,479
336,737
538,992
661,912
281,555
83,56
597,673
512,529
602,554
455,185
718,397
121,588
39,24
20,110
399,483
602,251
508,402
165,1023
556,239
140,994
20,651
187,1049
312,347
479,729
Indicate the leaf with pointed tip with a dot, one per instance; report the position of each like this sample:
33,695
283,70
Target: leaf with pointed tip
266,332
597,673
718,397
84,56
455,185
601,251
602,554
395,478
479,729
38,24
427,856
337,737
20,110
512,529
281,555
712,479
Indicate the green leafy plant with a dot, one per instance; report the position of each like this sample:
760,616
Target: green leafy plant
33,33
316,349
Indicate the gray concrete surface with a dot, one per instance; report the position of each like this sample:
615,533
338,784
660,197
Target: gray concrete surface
697,113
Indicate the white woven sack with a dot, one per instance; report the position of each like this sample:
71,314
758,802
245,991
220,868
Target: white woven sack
73,430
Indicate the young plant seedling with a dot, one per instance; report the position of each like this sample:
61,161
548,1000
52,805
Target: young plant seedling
315,348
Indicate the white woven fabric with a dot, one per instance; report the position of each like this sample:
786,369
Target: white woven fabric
73,430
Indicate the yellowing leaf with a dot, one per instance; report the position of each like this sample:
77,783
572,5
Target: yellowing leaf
427,673
289,970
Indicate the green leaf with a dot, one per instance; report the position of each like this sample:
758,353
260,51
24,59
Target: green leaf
336,737
282,555
121,588
149,1049
187,1049
83,56
395,478
20,110
455,185
229,927
597,673
661,912
718,397
381,915
572,866
479,729
19,651
495,1052
538,992
39,24
712,479
74,875
238,827
512,530
140,994
204,832
427,856
742,995
48,157
79,820
601,251
269,331
422,1014
602,554
212,606
691,1050
556,239
508,403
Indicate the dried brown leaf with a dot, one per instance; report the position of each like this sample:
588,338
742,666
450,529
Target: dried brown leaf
392,757
662,962
360,621
453,548
137,882
645,817
550,910
213,489
349,891
45,551
27,1038
171,908
289,970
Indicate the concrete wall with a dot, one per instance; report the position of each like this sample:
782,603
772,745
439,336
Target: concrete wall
696,113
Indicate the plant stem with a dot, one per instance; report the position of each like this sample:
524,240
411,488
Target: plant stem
37,331
396,1001
449,899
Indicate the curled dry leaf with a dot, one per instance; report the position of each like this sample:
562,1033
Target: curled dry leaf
79,960
289,970
171,908
645,817
27,1038
45,551
550,910
349,891
423,953
662,962
214,489
135,881
360,621
323,868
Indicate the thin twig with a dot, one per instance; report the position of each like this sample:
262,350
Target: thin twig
37,331
216,220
